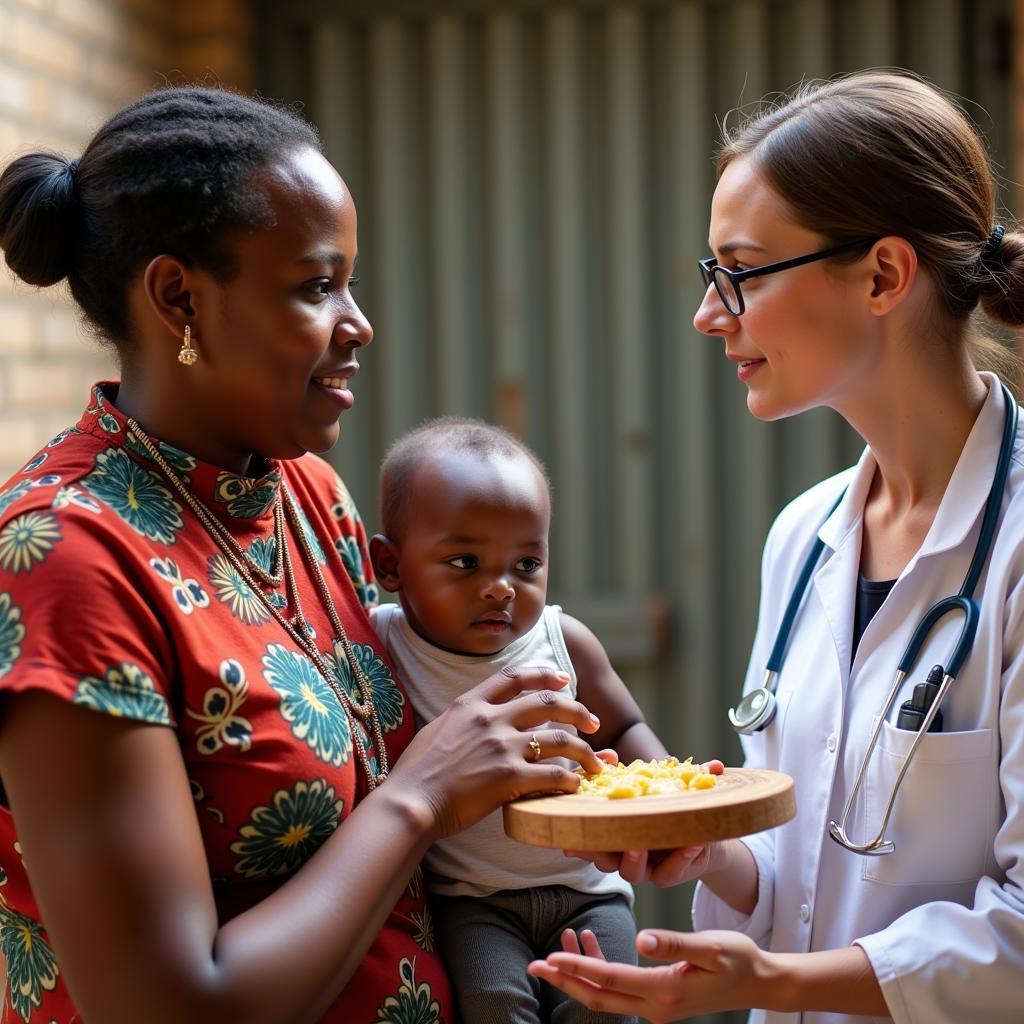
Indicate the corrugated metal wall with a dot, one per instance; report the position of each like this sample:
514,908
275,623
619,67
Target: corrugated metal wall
533,182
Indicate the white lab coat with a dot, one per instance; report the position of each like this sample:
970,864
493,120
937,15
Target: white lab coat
941,918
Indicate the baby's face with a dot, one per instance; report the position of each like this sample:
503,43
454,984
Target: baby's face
472,559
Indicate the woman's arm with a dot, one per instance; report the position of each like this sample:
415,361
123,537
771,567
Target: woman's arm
112,848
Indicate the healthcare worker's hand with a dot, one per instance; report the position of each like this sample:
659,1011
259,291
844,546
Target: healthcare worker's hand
705,972
662,867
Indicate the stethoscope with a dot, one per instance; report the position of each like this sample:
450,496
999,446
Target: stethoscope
757,709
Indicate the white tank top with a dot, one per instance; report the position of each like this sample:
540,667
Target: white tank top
481,859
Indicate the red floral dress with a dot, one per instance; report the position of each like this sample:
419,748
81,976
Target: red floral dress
186,644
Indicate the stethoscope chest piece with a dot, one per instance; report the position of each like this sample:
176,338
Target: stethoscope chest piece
755,712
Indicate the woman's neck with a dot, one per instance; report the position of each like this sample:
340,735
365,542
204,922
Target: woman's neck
164,417
916,426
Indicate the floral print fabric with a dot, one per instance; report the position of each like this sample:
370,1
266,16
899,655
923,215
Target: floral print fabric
169,633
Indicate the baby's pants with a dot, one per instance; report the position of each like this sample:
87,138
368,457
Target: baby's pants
488,941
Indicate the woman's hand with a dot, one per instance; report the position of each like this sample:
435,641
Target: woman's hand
478,754
707,972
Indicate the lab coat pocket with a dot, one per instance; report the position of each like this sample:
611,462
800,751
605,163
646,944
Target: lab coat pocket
944,818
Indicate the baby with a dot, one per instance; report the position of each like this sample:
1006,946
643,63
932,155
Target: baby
465,509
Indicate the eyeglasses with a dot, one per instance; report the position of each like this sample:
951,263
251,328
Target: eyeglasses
727,282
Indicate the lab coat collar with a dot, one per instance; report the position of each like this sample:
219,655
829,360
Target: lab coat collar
848,514
965,494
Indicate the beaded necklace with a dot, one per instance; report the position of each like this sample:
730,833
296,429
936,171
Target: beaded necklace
296,626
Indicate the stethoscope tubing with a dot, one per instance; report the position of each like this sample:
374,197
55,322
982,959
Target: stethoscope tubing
972,612
778,652
757,709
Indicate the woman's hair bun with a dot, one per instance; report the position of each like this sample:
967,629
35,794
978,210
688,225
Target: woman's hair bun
1002,295
39,216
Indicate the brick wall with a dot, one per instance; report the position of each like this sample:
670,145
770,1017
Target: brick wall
65,66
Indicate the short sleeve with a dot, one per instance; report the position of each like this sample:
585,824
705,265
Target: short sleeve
74,618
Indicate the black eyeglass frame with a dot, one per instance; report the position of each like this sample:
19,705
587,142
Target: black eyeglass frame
710,270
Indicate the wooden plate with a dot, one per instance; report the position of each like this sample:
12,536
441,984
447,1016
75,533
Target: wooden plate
744,800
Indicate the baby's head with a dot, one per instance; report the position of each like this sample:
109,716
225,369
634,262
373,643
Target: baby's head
465,509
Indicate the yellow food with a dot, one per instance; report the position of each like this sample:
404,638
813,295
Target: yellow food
646,778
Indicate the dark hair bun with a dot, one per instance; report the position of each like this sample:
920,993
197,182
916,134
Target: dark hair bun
1002,296
39,215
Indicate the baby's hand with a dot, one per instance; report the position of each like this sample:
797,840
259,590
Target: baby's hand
609,756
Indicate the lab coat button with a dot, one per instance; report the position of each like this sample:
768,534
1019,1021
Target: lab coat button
805,912
831,743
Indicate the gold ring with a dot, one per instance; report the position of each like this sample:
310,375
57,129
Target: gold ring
535,747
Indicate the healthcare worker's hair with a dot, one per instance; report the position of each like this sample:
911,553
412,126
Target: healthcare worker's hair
885,153
170,173
440,436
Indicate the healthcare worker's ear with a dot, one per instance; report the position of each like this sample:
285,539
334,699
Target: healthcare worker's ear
384,555
892,264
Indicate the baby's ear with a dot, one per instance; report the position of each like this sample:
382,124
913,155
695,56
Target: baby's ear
384,555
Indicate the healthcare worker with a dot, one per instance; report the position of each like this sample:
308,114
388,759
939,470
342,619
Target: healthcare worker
880,182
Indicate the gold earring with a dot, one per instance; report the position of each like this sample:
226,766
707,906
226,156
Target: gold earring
187,355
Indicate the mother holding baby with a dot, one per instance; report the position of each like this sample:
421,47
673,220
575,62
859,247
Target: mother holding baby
196,717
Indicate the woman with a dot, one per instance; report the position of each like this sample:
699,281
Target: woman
235,835
853,236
